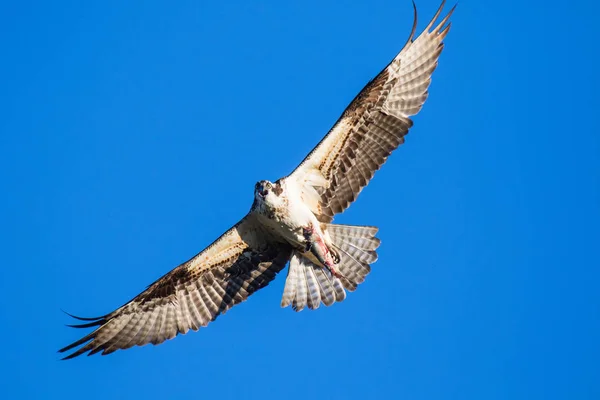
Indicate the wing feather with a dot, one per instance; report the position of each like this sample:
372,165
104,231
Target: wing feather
373,125
240,262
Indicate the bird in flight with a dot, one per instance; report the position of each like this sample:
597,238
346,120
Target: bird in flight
290,219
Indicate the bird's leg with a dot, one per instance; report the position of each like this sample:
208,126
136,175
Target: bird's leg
316,245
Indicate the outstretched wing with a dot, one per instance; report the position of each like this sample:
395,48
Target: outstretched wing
372,126
195,293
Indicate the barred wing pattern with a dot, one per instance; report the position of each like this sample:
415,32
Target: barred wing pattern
193,294
373,125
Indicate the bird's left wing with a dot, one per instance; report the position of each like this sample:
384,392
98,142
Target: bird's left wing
373,125
193,294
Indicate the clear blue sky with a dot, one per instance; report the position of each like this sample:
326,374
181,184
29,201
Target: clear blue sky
132,135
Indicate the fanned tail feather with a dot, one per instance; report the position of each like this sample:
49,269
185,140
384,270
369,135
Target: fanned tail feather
356,246
309,284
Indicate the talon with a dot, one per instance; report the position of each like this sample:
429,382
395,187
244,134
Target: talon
335,256
308,233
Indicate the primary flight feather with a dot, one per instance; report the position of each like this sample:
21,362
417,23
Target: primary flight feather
290,219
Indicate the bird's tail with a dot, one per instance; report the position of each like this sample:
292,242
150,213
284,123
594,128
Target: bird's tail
309,284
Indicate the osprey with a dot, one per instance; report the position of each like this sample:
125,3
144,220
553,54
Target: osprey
290,219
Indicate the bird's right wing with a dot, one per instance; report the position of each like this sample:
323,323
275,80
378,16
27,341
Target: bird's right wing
193,294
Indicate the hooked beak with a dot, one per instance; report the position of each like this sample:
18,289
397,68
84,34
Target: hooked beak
262,192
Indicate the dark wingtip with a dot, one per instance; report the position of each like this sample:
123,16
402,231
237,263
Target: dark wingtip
453,8
414,27
88,325
74,354
83,318
71,356
444,24
436,16
79,342
92,322
78,352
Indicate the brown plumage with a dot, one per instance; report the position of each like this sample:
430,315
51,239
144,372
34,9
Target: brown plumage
375,122
248,256
242,261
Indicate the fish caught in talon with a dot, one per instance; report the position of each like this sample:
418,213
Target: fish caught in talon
315,244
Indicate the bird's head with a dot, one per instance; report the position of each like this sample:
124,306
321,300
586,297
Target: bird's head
267,193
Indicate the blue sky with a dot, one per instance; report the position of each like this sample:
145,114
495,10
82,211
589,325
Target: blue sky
132,135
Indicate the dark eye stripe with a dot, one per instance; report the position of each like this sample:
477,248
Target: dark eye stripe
277,189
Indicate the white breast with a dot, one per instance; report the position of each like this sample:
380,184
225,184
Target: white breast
289,222
299,212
